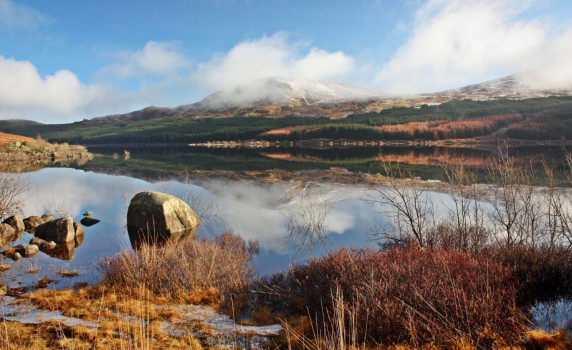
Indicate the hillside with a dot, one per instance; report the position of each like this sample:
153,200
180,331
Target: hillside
357,126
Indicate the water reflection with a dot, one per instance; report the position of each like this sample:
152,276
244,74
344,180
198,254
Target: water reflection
266,212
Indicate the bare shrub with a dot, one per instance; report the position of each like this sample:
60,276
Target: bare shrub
543,272
13,187
403,296
188,266
466,224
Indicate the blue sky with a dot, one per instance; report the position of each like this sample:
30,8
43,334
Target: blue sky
66,60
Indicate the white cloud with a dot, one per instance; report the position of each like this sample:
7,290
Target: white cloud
157,58
271,56
456,42
19,17
551,67
24,92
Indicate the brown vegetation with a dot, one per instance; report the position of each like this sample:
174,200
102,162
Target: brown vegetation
180,268
403,296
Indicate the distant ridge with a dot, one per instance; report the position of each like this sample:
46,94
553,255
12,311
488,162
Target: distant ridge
278,97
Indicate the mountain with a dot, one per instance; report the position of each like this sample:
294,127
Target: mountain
277,97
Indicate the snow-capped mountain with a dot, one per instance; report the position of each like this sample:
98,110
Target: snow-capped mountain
279,91
277,97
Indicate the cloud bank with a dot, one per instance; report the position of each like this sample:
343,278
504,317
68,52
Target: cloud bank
459,42
271,56
24,92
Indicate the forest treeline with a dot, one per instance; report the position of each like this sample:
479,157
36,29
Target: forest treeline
420,130
371,125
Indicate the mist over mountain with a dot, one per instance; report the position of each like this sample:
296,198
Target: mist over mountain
280,91
278,97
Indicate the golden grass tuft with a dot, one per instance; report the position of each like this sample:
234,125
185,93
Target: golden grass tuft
538,339
65,273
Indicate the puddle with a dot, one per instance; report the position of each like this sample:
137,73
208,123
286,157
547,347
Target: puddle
220,329
11,310
553,315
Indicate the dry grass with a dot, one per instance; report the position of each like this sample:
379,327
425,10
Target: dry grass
192,269
65,273
127,319
538,339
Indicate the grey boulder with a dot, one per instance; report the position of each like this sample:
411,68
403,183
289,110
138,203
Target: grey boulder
155,217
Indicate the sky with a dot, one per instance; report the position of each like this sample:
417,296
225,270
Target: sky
66,60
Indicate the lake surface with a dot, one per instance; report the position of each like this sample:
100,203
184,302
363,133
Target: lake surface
272,213
259,211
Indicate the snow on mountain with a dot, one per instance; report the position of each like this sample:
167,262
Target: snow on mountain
517,86
280,92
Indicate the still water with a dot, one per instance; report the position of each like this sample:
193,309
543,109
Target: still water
258,211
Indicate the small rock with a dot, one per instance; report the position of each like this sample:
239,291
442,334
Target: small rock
7,233
16,256
78,234
32,222
27,250
16,222
88,213
3,291
51,245
38,241
48,217
89,221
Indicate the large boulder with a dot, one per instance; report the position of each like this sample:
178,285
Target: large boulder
155,217
16,222
60,230
32,222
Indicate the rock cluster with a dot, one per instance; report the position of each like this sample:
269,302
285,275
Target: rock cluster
50,233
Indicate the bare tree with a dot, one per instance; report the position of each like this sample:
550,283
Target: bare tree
306,219
13,186
466,212
407,206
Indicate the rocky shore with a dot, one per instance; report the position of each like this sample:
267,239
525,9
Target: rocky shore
22,153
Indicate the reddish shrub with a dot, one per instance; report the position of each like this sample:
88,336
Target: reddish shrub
406,295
